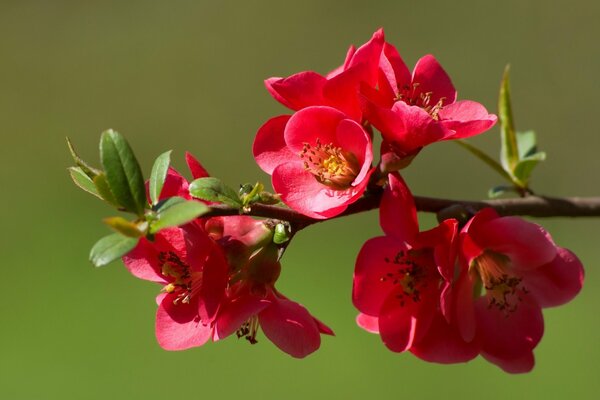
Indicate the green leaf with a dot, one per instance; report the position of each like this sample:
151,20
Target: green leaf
83,181
102,186
158,175
486,159
499,190
110,248
509,153
526,143
525,166
85,167
177,213
125,227
212,189
123,172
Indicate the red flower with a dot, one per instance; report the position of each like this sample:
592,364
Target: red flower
339,89
176,184
252,300
510,270
319,159
412,111
193,272
399,279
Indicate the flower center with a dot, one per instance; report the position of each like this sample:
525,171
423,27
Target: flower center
181,284
408,269
248,330
502,287
413,96
330,165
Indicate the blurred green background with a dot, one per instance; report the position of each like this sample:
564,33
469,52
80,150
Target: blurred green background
188,75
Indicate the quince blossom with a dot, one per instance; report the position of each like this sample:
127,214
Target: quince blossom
414,110
319,159
509,270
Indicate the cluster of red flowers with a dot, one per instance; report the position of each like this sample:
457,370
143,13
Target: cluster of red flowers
446,295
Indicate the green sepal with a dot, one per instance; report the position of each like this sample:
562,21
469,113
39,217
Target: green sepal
176,211
213,189
282,233
123,172
127,228
87,169
83,181
111,248
158,175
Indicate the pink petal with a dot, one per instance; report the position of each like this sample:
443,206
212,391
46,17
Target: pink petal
310,124
290,327
373,263
343,67
368,322
527,244
178,326
369,55
233,314
464,307
419,128
142,262
557,282
394,72
342,91
301,191
431,77
269,147
298,91
398,214
519,365
466,118
443,344
351,137
195,167
402,325
509,335
175,185
214,281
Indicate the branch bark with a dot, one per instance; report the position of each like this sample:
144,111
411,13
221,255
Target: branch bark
534,206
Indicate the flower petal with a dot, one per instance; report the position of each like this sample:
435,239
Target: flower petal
269,147
195,167
353,139
299,90
310,124
466,118
443,344
431,77
519,365
290,327
373,263
237,311
178,327
509,334
557,282
368,322
397,212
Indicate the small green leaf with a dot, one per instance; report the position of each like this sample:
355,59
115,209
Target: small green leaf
485,158
525,166
125,227
253,195
177,213
526,142
83,181
499,190
158,175
85,167
110,248
123,172
102,186
509,153
213,189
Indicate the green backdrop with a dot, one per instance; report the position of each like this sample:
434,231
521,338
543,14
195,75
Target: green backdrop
187,75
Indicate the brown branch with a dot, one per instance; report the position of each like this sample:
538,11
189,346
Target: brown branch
534,206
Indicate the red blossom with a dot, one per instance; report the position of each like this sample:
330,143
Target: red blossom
319,159
509,270
414,110
400,277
